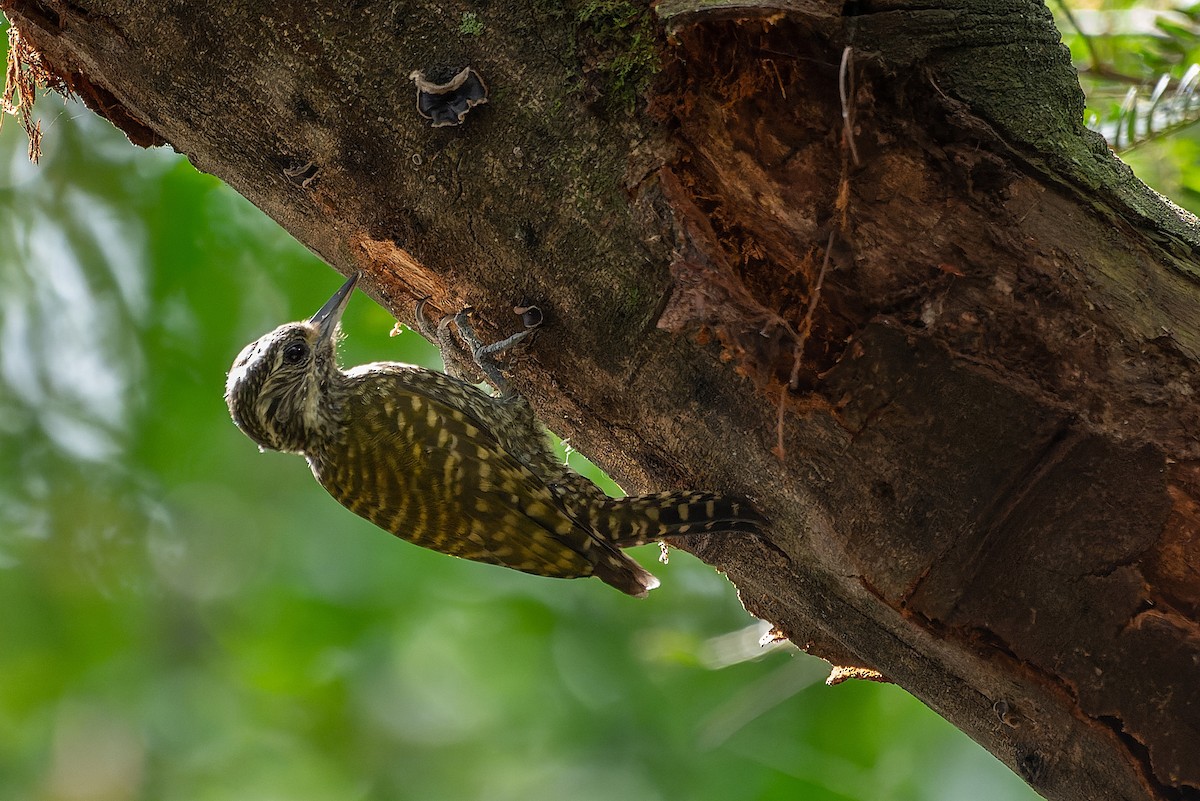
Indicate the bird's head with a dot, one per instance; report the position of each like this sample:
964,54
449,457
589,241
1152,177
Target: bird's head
281,389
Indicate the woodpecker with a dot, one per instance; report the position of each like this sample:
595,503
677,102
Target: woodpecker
444,464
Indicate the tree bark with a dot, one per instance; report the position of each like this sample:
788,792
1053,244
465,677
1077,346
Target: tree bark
859,261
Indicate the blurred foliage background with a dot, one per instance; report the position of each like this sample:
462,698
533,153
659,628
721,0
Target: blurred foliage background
1139,65
186,618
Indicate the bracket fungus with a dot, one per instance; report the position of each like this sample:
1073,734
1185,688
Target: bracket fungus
447,103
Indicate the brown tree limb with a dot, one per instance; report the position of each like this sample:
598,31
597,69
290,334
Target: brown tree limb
988,488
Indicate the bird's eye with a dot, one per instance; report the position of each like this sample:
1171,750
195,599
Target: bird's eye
295,353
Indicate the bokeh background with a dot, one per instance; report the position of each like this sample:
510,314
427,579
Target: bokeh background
183,617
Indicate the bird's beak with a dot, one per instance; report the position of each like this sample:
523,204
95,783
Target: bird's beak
330,314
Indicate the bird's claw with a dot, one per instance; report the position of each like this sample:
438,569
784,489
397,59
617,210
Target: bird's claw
423,324
482,357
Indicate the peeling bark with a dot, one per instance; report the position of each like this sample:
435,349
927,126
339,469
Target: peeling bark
955,362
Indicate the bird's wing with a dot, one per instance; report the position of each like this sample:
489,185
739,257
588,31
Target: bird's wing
431,473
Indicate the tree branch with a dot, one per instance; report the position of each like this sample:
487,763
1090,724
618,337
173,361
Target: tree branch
989,476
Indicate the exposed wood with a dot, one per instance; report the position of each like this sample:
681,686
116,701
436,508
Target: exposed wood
958,367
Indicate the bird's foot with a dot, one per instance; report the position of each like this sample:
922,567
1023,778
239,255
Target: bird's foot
472,359
456,362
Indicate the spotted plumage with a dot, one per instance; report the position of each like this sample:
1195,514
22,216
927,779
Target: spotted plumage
443,464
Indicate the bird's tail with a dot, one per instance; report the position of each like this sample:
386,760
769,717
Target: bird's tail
616,523
639,519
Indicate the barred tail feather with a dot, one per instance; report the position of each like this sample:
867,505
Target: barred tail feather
624,522
639,519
